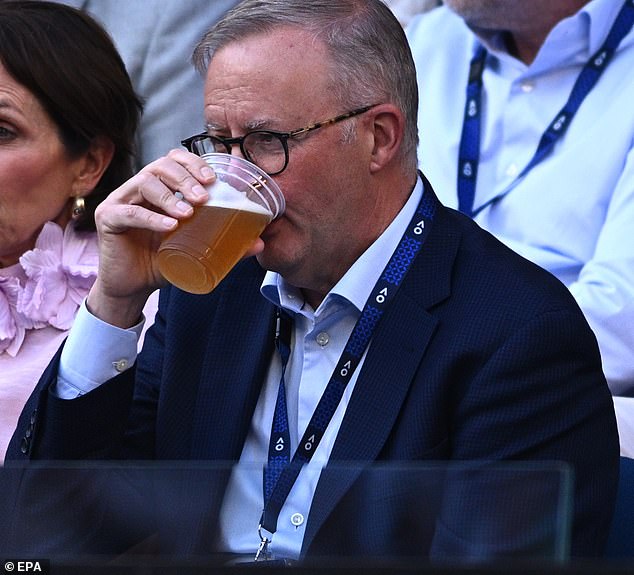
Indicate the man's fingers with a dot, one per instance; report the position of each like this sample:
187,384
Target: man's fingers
187,174
119,218
158,196
180,172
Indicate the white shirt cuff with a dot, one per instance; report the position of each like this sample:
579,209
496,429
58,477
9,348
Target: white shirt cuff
94,353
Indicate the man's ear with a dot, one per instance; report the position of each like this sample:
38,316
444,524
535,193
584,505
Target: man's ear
91,165
388,125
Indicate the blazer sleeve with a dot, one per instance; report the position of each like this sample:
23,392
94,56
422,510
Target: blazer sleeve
59,429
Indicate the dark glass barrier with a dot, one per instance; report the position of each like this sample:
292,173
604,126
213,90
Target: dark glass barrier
396,517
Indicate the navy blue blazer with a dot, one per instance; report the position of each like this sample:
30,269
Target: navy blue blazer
481,356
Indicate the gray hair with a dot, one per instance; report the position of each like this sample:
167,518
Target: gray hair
371,59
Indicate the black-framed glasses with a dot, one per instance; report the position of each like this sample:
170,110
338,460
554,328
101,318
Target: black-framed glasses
267,149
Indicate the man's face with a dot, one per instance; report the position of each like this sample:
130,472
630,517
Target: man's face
279,81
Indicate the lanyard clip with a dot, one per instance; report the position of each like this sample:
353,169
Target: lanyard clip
263,553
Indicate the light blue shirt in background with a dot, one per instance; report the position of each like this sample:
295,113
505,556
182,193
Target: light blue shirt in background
319,337
573,214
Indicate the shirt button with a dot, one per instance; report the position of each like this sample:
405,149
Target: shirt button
512,170
297,519
527,87
323,338
120,365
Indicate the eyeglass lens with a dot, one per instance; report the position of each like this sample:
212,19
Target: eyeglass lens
265,149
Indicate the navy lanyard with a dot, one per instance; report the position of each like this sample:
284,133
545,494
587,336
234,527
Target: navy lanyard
282,470
469,152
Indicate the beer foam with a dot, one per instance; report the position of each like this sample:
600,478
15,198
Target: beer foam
224,195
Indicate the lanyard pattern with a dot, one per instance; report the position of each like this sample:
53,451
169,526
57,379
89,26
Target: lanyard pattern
469,151
282,470
280,440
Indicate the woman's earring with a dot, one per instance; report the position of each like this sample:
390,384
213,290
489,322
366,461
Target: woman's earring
79,208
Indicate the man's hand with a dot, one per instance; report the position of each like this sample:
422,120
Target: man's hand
131,223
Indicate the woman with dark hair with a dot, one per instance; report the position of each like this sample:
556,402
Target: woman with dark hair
68,116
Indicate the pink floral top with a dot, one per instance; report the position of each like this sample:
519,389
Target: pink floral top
47,286
39,297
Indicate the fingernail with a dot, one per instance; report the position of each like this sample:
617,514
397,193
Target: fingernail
199,191
183,207
207,172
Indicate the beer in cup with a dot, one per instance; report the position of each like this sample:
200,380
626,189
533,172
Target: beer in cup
201,251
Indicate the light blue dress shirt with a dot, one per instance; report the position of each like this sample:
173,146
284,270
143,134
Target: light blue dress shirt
319,337
573,214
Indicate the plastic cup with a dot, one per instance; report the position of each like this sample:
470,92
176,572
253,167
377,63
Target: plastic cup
201,251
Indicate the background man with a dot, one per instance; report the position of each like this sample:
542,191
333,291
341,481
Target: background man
558,70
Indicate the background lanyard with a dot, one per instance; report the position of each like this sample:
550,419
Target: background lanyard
469,151
282,470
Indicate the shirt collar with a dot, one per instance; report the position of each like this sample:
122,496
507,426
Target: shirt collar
601,15
357,283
